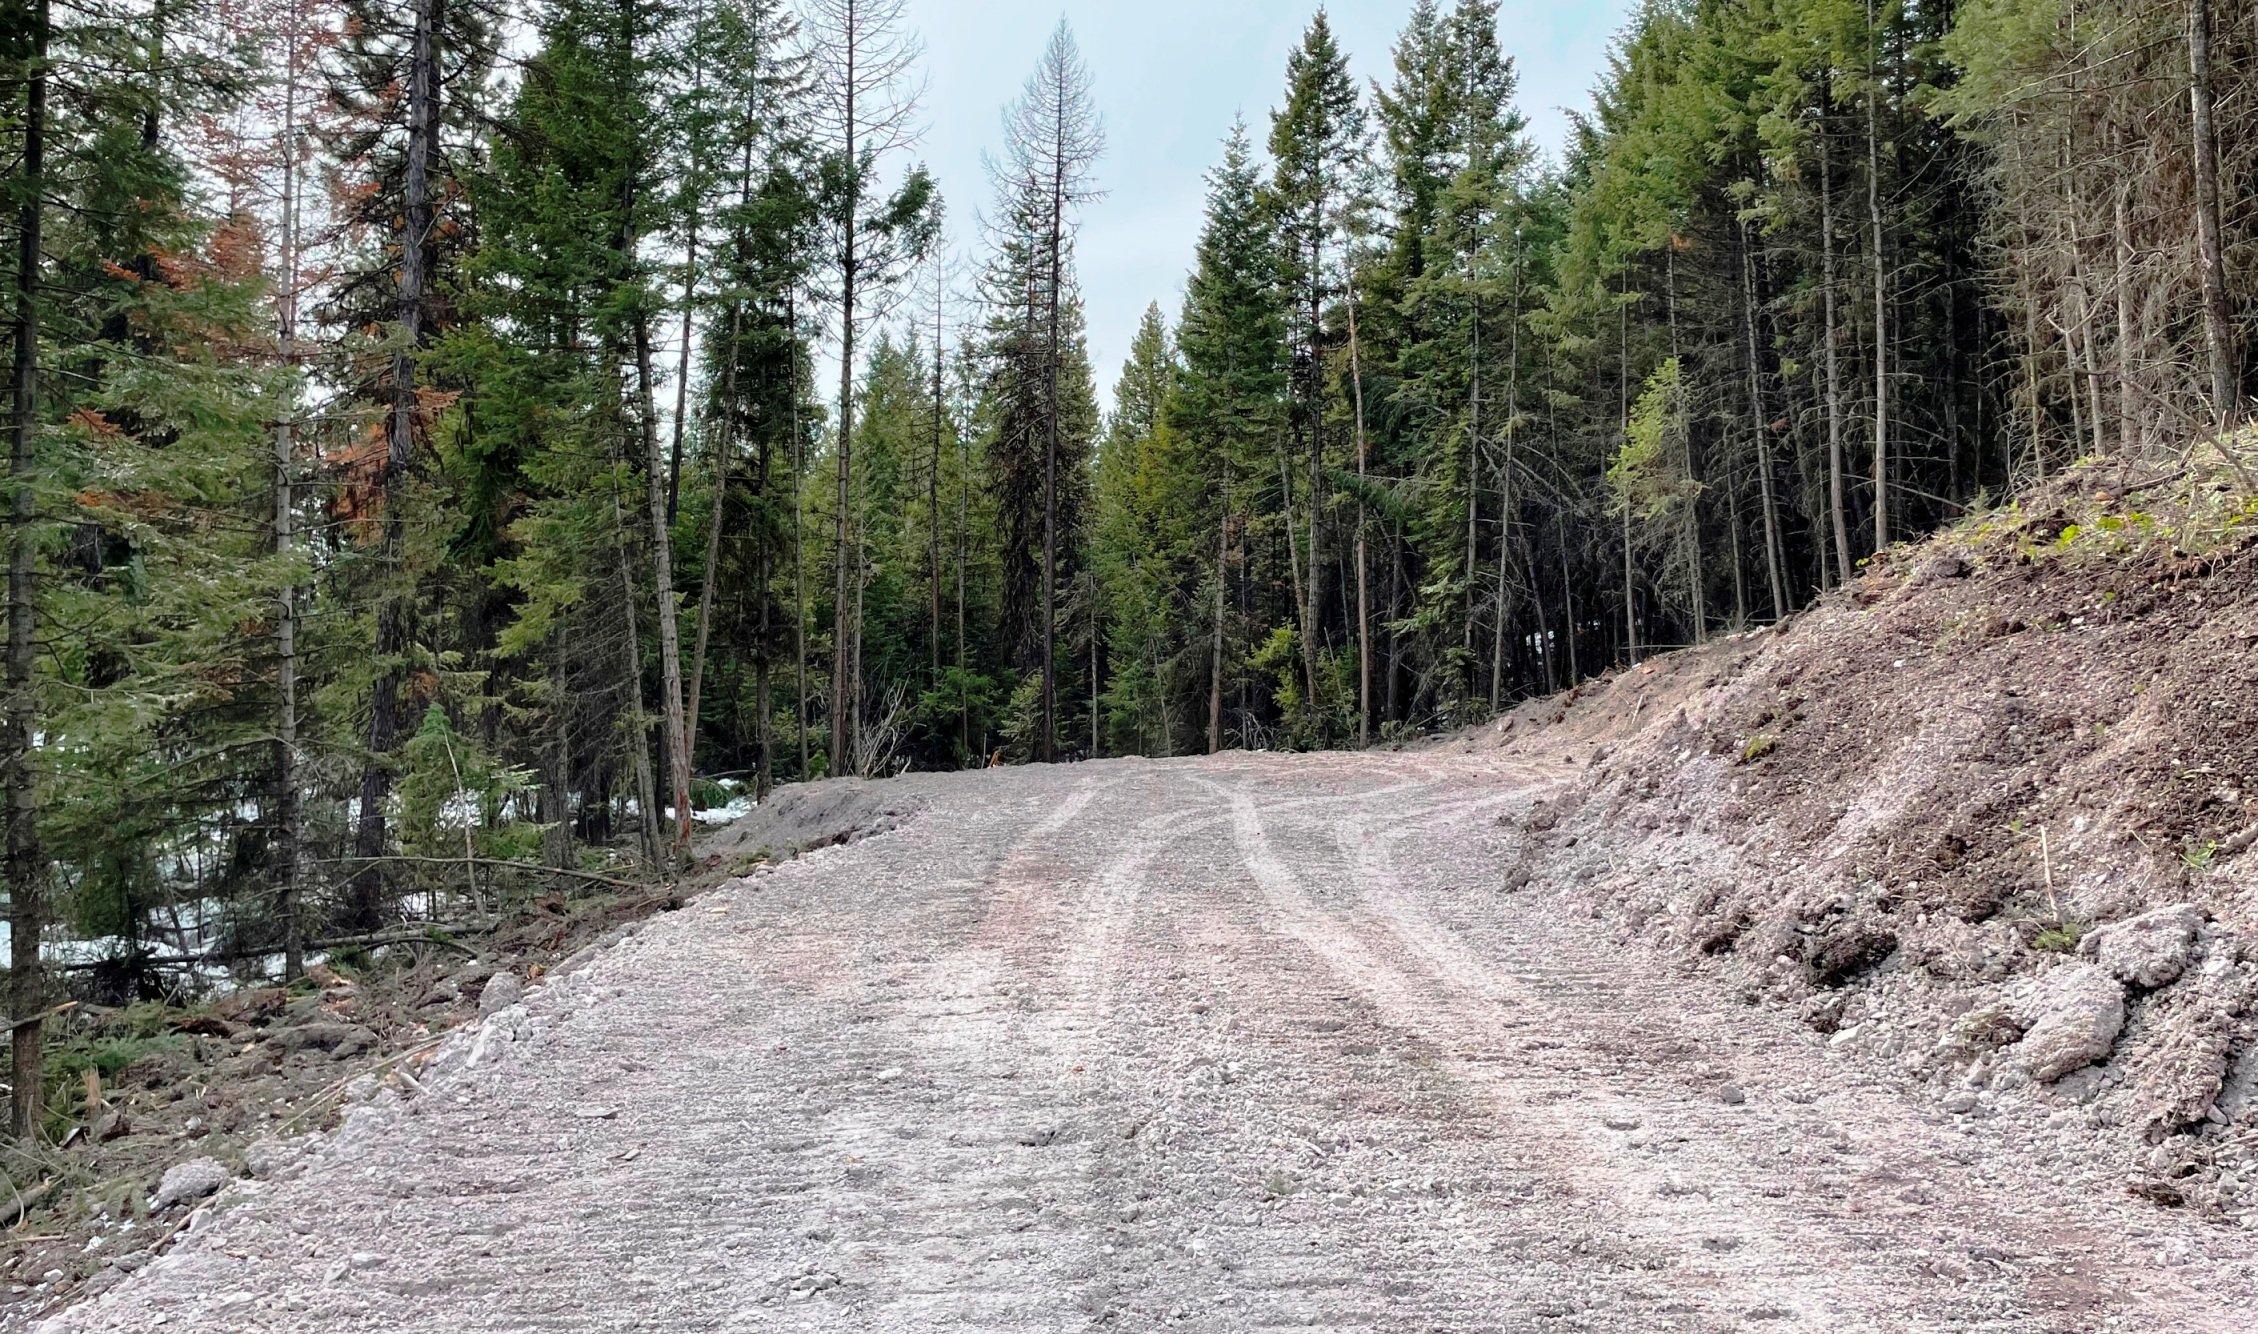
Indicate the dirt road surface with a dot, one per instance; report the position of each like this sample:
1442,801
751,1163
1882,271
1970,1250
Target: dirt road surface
1254,1042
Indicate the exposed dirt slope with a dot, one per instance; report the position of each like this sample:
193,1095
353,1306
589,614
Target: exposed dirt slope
1985,816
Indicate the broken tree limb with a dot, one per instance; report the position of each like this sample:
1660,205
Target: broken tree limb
532,868
427,933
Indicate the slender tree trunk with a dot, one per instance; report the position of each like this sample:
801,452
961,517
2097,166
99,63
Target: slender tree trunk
2027,298
843,686
689,283
1774,560
364,906
933,489
27,868
2218,327
1473,493
1047,741
2128,429
1505,494
964,543
1394,603
724,446
1293,551
631,665
1309,609
1097,747
1363,524
288,837
1697,602
557,781
662,568
1881,296
1568,623
1215,671
1623,430
799,545
1835,505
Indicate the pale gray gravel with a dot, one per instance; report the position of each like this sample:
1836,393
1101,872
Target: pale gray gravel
1253,1042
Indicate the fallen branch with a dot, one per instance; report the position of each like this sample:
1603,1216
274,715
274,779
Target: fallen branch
532,867
43,1016
321,1099
20,1208
428,933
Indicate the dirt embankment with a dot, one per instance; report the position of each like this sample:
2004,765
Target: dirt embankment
1986,816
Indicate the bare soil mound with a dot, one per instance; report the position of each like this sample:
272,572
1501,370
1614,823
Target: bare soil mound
802,817
1985,816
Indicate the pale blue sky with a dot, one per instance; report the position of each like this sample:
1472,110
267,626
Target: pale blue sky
1169,76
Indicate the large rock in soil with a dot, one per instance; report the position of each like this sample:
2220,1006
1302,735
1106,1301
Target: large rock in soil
192,1180
2150,950
2187,1055
502,990
2070,1018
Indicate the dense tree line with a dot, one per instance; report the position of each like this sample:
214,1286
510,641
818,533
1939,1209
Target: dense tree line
423,466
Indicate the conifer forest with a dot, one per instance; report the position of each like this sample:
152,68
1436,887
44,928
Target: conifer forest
453,442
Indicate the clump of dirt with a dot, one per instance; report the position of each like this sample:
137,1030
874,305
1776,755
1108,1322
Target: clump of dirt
1986,815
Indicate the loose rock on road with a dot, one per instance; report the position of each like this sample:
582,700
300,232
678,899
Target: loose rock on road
1250,1042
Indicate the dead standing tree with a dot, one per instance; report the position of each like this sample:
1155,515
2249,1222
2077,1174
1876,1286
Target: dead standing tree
861,52
1052,140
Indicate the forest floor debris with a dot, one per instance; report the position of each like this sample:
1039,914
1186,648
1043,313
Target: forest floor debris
232,1084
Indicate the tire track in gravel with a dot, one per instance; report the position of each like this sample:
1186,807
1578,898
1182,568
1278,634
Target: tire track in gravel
1730,1228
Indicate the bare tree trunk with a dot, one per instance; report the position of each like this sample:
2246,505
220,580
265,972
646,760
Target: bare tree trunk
1097,743
933,483
689,288
1505,494
1309,605
27,869
1834,357
1215,673
1473,492
964,552
2128,427
288,837
1881,295
1696,600
1773,559
723,447
1363,524
843,686
799,548
556,783
2218,329
662,568
631,663
1623,430
1568,605
364,907
1047,740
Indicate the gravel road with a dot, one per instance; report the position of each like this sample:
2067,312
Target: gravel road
1249,1042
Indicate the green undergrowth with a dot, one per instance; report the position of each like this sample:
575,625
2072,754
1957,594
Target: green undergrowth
2103,509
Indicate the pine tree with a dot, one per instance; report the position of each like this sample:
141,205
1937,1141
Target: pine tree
1230,402
1317,141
